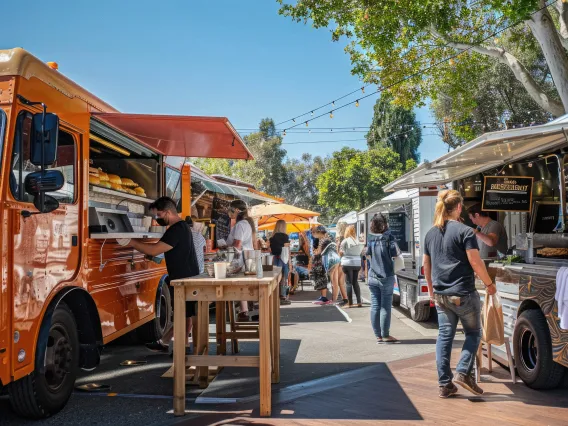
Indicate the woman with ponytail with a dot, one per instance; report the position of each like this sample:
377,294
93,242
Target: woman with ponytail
451,258
242,238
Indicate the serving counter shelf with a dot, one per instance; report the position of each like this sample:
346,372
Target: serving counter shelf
132,235
115,193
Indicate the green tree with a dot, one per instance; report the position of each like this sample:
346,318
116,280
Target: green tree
355,178
395,127
266,172
404,46
303,174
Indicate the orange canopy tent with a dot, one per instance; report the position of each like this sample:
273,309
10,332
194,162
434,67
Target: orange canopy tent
296,218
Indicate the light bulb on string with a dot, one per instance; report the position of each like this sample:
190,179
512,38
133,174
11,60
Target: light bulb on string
312,113
363,89
332,103
294,120
284,132
306,124
331,114
357,103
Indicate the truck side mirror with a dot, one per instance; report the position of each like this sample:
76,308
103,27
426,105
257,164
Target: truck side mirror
46,142
38,183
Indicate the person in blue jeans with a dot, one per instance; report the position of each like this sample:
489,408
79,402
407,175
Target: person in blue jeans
451,257
381,249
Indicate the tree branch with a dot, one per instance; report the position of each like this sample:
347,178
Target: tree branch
561,10
519,70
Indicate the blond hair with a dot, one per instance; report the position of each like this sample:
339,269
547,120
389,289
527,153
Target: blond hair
448,202
280,227
340,231
350,232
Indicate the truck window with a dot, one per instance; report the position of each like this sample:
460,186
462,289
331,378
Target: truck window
21,166
173,184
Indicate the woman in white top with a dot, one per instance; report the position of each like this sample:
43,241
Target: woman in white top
241,237
350,251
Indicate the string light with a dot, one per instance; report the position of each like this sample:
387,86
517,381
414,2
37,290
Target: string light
294,120
312,113
331,114
284,133
333,103
306,124
357,103
363,89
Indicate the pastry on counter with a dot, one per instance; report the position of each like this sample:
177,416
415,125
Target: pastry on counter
114,179
116,186
94,180
129,183
129,190
103,176
106,184
93,172
140,191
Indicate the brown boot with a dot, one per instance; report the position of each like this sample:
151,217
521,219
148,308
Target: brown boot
448,390
468,383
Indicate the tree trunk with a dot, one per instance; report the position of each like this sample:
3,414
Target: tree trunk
543,29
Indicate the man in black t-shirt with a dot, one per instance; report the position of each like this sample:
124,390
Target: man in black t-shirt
178,249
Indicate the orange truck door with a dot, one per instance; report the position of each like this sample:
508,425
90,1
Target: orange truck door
45,247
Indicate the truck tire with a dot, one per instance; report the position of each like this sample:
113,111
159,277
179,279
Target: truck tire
40,395
420,312
154,330
533,351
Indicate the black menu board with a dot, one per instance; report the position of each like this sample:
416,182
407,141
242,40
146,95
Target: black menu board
507,193
545,218
220,217
397,226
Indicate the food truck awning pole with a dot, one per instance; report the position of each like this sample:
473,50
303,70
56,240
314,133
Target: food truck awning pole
181,136
479,155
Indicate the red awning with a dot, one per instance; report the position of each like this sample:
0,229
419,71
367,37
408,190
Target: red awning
181,136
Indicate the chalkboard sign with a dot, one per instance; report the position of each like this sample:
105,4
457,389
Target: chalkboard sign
507,193
220,217
397,226
545,218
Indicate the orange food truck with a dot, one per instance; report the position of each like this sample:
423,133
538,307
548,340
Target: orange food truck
75,175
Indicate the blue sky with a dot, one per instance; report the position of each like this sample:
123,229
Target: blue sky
238,59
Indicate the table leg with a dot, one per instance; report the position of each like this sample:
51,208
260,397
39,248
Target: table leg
224,328
219,306
180,337
203,339
233,320
265,359
275,334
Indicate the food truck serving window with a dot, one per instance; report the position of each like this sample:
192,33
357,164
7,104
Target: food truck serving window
21,165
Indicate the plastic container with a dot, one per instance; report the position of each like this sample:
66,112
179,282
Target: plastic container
220,270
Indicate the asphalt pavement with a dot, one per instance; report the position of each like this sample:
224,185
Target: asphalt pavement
316,342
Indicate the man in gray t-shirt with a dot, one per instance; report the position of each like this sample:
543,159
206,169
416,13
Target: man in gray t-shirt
491,235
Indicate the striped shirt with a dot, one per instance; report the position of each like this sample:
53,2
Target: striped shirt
199,244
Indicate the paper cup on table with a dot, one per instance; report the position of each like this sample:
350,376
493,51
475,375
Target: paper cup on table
220,270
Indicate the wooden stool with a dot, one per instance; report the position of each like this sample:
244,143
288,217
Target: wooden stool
479,360
243,330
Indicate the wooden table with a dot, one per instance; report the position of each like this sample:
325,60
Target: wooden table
205,290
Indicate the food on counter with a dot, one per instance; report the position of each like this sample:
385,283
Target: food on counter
552,252
117,187
103,176
106,184
140,191
129,190
93,171
94,180
129,183
114,179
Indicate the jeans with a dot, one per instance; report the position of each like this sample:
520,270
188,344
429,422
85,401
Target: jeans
469,313
381,305
351,279
284,288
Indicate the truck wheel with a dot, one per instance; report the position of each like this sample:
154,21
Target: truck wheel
533,352
154,330
420,312
40,395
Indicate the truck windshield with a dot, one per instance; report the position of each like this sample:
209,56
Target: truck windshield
2,130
